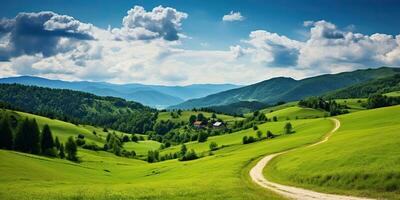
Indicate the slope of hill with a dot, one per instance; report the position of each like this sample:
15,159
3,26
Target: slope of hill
363,90
101,175
288,89
79,107
151,95
241,107
361,158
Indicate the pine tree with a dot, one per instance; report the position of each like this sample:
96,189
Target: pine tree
71,149
61,153
57,143
6,135
47,142
34,136
21,143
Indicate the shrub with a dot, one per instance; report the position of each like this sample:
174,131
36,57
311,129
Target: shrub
92,146
81,136
213,146
259,134
71,149
80,142
125,138
288,128
190,155
270,134
202,136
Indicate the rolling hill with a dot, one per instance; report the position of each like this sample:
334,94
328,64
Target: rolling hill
363,90
288,89
79,107
151,95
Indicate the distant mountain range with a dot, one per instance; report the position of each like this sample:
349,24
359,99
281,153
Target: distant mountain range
287,89
151,95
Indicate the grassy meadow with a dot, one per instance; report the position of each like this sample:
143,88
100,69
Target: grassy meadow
362,158
101,175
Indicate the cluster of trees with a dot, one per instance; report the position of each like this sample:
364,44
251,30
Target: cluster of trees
328,105
251,139
378,100
79,107
183,155
114,144
29,139
251,121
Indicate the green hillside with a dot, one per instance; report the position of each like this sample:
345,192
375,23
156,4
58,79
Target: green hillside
296,112
364,90
101,175
361,158
287,89
185,115
79,107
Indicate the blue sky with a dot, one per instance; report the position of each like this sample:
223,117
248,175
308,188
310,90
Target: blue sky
203,33
204,23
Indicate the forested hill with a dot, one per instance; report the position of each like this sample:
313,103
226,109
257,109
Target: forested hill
287,89
79,107
363,90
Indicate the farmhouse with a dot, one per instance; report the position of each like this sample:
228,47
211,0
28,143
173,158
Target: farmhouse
218,125
198,124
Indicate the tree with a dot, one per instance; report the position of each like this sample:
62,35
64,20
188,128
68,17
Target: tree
192,119
71,149
6,135
27,138
20,143
270,134
183,149
57,143
190,155
214,116
47,142
134,138
255,127
259,134
202,136
213,146
274,118
34,136
61,151
288,128
244,139
200,117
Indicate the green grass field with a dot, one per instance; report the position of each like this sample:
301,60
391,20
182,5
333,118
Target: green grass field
393,94
102,175
186,115
296,112
361,158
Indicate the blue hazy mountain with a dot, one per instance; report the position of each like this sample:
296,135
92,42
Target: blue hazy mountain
152,95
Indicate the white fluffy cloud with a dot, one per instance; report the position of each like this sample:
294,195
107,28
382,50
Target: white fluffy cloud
142,25
233,16
146,49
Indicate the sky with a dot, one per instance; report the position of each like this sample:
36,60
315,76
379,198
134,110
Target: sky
187,42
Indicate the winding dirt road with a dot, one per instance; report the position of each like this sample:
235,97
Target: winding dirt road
256,174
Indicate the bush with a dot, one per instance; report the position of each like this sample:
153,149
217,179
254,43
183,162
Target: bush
259,134
134,138
92,146
190,155
288,128
125,138
203,136
80,142
270,134
81,136
71,149
247,140
213,146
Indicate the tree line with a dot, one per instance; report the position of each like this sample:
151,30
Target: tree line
79,107
29,139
